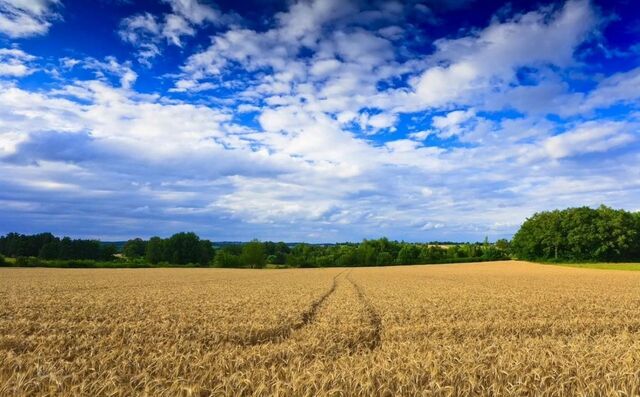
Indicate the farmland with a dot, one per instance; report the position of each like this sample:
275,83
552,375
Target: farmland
500,328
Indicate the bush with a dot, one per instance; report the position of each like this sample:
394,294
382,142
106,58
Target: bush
226,259
28,261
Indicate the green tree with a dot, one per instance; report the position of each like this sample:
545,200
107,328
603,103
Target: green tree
581,233
66,248
155,250
253,254
50,250
347,256
135,248
224,258
503,245
108,252
408,254
183,248
384,258
367,253
206,253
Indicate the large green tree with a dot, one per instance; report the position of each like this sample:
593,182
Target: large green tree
253,254
579,234
155,250
135,248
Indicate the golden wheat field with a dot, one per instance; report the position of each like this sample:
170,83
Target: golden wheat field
502,328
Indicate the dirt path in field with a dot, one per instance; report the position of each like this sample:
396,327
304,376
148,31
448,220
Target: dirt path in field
310,314
345,323
374,318
284,332
341,321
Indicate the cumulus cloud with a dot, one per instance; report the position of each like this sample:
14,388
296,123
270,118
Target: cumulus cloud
15,62
420,135
328,128
588,138
621,87
449,124
147,32
175,27
343,58
143,32
104,69
24,18
474,63
194,11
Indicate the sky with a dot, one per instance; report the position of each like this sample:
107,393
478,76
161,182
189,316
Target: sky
314,120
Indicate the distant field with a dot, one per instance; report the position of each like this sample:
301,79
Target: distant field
502,328
604,266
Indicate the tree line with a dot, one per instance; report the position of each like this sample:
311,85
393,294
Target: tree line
46,246
579,234
257,254
189,249
382,252
572,234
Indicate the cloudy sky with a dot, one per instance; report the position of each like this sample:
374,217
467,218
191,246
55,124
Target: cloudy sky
320,121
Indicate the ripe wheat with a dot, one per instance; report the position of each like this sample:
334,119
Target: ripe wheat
509,328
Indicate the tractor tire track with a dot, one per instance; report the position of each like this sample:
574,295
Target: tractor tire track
282,333
375,340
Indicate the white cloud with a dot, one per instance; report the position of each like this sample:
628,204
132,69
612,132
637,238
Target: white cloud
15,62
345,57
475,63
9,141
325,67
142,31
24,18
109,67
392,32
309,164
363,48
432,225
123,123
304,18
146,32
450,124
194,11
420,135
377,121
453,119
621,87
590,137
439,85
175,27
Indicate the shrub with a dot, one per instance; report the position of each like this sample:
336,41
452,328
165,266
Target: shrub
28,261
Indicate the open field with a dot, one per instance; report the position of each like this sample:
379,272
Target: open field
502,328
603,266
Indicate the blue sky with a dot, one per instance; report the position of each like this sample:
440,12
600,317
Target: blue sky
320,121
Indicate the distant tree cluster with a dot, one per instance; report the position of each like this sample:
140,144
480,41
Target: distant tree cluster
189,249
379,252
579,234
49,247
179,249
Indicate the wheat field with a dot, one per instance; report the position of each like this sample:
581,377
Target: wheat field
502,328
